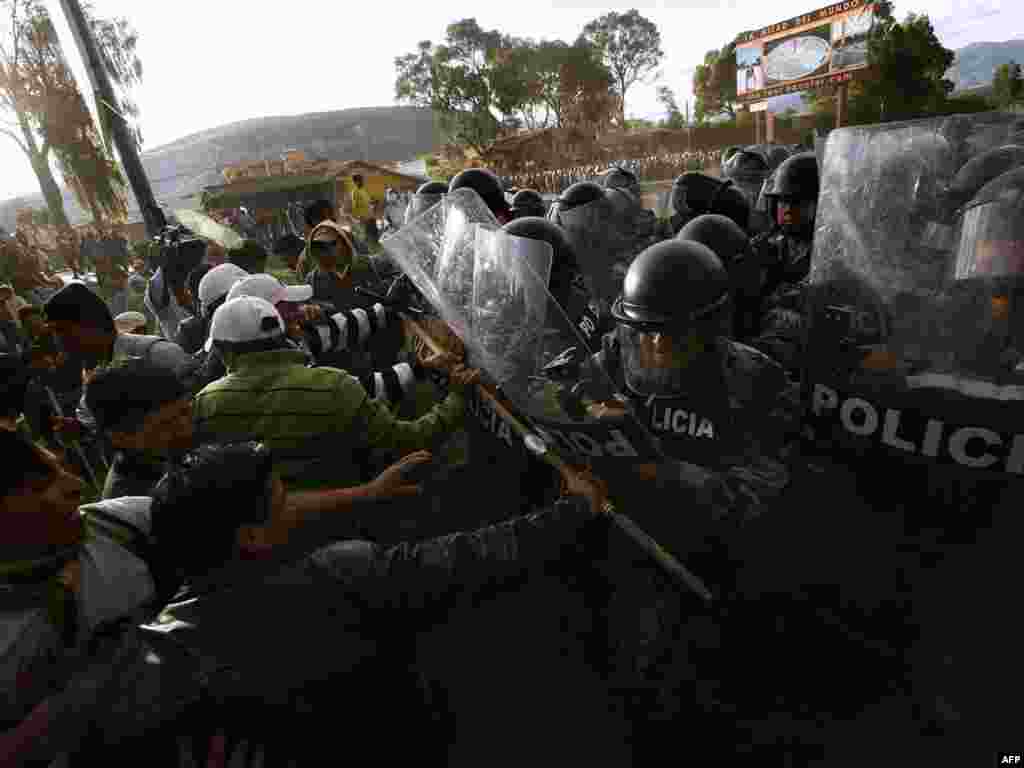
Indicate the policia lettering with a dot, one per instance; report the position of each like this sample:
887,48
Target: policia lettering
676,421
591,440
974,447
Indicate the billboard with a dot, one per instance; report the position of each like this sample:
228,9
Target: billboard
829,45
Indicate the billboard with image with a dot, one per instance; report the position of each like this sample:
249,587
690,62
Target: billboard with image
829,45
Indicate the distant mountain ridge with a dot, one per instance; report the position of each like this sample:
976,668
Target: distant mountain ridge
180,169
976,63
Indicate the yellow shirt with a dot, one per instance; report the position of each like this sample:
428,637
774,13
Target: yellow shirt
360,203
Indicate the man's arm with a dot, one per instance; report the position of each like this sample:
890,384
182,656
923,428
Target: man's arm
388,437
428,578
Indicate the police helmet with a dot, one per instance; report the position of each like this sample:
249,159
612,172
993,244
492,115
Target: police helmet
777,155
694,193
745,164
528,202
719,233
796,182
980,170
565,267
672,283
729,152
488,186
427,196
580,193
675,298
617,176
432,188
992,231
796,179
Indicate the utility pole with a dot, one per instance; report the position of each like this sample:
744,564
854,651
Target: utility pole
106,100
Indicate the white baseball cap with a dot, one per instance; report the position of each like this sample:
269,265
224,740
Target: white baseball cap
218,281
128,321
247,318
270,288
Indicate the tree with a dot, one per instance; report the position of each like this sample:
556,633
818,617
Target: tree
714,84
630,46
673,117
1007,85
908,64
482,83
48,118
455,80
414,79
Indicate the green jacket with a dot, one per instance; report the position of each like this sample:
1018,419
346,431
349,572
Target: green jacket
319,423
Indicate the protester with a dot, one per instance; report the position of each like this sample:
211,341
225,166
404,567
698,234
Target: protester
318,336
314,213
11,303
166,297
118,301
86,330
130,322
363,209
75,579
326,434
192,330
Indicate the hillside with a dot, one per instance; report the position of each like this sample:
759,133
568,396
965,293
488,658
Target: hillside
976,63
182,168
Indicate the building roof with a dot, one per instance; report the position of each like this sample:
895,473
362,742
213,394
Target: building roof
352,166
268,191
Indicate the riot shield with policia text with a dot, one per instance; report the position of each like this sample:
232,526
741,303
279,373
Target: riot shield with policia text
515,334
916,303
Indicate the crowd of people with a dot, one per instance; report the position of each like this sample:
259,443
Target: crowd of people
311,525
650,168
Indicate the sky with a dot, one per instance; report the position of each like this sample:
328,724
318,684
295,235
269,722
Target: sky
211,62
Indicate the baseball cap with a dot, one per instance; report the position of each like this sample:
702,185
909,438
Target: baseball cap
245,319
270,288
218,281
127,321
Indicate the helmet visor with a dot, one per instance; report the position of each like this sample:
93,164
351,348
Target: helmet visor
655,359
991,243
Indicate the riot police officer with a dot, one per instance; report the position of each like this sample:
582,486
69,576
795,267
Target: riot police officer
528,202
426,196
732,246
596,229
790,199
490,189
695,193
748,170
617,177
725,417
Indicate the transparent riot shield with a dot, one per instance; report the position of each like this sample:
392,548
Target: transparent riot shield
415,250
599,239
916,304
552,398
464,210
509,305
